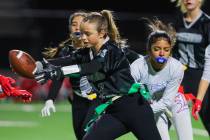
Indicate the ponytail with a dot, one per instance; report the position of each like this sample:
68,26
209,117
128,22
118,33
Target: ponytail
113,32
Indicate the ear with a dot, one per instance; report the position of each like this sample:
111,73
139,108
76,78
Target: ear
102,34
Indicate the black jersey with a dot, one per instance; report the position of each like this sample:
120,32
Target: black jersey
130,54
109,71
73,56
192,41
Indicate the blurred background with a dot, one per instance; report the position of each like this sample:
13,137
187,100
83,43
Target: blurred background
32,25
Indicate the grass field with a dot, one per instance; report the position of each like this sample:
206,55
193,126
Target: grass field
23,122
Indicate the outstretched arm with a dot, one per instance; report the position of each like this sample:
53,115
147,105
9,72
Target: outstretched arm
56,73
203,85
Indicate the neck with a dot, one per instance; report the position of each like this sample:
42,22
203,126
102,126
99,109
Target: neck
98,47
192,15
100,44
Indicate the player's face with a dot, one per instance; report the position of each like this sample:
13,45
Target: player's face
75,32
161,48
191,4
75,24
91,37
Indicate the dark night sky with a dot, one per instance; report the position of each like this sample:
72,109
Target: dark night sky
31,25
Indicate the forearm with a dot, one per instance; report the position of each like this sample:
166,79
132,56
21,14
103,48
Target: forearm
82,69
54,89
203,86
63,61
205,79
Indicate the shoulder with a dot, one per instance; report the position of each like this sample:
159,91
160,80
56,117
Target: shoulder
130,54
205,18
175,65
111,48
140,62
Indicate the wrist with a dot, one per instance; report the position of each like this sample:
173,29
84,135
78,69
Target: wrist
49,102
199,101
39,66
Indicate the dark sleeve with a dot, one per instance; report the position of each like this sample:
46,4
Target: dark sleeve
63,61
131,55
91,67
78,57
54,89
208,31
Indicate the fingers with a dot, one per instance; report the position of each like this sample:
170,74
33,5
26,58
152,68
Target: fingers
11,80
24,95
7,89
40,78
195,115
41,81
45,61
53,108
196,108
45,112
195,112
27,100
49,105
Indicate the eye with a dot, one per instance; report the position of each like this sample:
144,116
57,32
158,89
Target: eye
167,49
156,49
74,24
88,34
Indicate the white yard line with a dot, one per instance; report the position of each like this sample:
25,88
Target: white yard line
200,132
196,131
6,123
32,108
63,108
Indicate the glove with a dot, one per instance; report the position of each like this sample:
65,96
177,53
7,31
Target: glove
6,84
49,72
24,95
196,108
49,105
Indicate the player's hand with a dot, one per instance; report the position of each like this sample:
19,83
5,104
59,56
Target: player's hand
49,105
196,108
6,84
49,72
24,95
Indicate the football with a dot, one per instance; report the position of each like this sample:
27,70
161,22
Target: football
22,63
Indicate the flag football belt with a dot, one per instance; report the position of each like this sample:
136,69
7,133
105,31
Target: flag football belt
99,110
90,96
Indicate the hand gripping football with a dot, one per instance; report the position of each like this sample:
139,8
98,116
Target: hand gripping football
22,63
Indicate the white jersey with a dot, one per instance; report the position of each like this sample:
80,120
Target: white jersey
162,85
